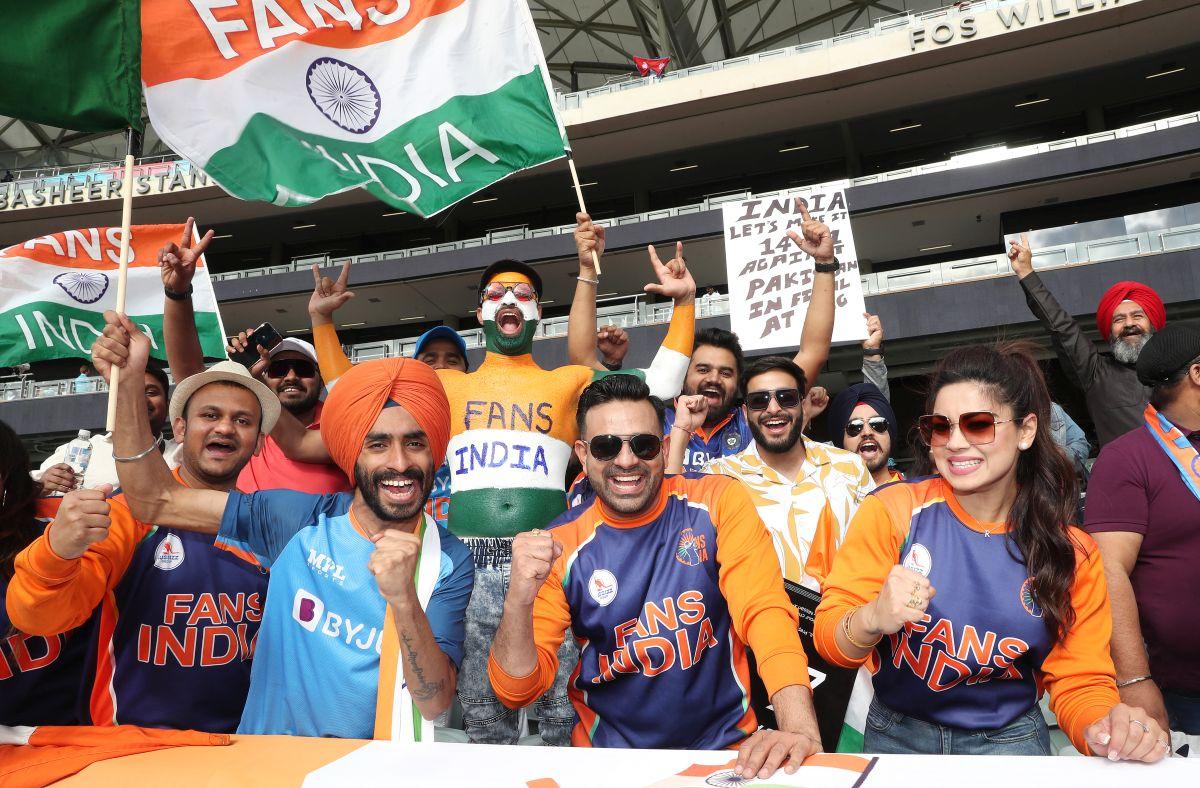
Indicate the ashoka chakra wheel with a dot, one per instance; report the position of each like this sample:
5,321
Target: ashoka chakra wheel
344,94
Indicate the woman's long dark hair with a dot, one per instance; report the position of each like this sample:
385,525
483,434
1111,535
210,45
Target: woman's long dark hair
17,526
1047,488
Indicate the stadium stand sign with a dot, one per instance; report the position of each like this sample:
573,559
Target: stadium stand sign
770,278
946,29
98,185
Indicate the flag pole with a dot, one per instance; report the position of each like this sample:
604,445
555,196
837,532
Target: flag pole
582,207
123,267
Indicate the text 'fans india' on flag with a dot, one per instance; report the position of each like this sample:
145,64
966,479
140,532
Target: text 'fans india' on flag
54,290
422,102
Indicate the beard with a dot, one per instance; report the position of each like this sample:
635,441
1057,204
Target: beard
301,407
1127,352
368,484
625,504
776,445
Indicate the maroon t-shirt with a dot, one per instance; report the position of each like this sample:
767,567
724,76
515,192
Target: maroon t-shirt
1136,488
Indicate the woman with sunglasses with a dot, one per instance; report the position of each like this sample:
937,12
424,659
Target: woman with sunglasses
41,678
970,591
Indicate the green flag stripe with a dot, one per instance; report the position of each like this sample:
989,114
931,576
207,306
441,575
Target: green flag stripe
58,331
278,163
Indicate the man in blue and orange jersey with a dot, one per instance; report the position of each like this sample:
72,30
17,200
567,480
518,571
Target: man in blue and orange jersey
665,580
178,618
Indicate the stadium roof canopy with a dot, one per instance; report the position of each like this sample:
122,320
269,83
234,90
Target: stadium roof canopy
587,43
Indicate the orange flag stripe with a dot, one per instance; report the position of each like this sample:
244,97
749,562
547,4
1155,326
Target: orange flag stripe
98,248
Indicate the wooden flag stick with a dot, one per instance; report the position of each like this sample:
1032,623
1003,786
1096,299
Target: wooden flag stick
582,207
123,269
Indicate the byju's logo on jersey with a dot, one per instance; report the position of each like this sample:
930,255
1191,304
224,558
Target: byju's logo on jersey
1027,601
918,559
307,610
691,550
602,586
169,553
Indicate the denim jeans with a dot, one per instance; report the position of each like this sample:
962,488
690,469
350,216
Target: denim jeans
487,720
1183,712
889,732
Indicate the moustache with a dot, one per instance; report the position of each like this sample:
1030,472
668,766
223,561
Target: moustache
1132,331
413,474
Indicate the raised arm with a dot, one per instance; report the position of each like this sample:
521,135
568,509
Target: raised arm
816,240
874,370
177,264
1074,349
327,296
151,491
581,324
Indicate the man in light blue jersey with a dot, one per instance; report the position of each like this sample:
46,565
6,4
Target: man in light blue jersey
363,627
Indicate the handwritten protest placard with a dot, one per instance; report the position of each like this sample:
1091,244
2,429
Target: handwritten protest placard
771,279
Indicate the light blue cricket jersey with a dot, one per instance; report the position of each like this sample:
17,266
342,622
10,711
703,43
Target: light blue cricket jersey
316,664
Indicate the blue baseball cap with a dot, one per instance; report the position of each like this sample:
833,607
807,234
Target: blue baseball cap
441,332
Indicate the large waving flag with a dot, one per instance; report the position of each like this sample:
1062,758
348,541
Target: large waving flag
72,64
54,290
422,102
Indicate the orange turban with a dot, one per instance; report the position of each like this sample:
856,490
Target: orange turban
360,396
1138,293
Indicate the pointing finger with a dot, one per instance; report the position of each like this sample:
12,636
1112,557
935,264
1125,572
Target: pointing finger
804,214
316,276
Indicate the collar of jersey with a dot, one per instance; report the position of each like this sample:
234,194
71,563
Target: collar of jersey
707,435
966,519
617,520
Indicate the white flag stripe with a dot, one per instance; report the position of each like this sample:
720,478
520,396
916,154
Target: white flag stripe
475,54
24,281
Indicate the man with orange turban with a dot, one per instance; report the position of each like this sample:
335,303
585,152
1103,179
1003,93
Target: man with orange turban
1127,316
362,632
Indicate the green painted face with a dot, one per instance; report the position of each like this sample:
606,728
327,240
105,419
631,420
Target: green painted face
518,344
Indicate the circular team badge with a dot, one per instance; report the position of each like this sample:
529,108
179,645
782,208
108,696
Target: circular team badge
918,559
602,587
731,440
169,553
1027,601
344,94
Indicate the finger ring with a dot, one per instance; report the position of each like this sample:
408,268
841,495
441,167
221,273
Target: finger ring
916,588
1141,725
914,602
1166,745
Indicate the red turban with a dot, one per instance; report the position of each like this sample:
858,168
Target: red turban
1139,294
360,395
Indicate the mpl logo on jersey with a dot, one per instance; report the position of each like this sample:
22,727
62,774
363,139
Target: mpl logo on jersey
308,610
326,567
169,553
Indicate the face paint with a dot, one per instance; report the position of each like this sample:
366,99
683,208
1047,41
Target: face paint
515,344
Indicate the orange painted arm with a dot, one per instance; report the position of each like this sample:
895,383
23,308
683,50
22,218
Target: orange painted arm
49,595
1078,672
682,331
763,616
551,617
330,355
871,549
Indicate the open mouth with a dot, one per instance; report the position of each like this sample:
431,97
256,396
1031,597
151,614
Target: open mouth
714,394
776,426
220,448
868,450
627,483
964,466
509,320
399,491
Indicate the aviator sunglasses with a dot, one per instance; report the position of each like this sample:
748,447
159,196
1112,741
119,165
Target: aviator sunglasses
978,428
878,425
761,400
302,367
523,291
607,447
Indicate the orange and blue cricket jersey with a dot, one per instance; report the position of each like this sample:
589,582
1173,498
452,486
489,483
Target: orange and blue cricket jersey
728,436
663,606
982,654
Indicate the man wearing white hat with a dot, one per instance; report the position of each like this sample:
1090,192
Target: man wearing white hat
178,617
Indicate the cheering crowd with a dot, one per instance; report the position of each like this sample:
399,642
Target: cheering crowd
316,548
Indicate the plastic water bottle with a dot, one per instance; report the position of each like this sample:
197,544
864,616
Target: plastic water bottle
79,455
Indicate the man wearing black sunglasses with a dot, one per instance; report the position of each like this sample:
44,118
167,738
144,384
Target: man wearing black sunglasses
667,580
861,420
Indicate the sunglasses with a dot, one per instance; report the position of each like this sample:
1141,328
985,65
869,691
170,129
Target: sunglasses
977,428
523,291
607,447
878,425
761,400
302,367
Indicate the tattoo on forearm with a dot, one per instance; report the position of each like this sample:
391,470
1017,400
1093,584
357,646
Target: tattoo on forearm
421,689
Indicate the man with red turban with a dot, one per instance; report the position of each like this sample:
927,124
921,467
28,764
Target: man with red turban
363,628
1127,316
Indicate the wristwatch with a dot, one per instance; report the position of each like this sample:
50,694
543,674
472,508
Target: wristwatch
873,351
175,295
832,267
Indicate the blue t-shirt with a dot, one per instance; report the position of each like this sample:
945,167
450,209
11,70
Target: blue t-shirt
730,436
316,665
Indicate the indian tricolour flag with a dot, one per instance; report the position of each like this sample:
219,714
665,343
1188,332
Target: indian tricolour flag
422,102
54,290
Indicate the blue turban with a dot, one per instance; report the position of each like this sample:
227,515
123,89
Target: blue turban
841,406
